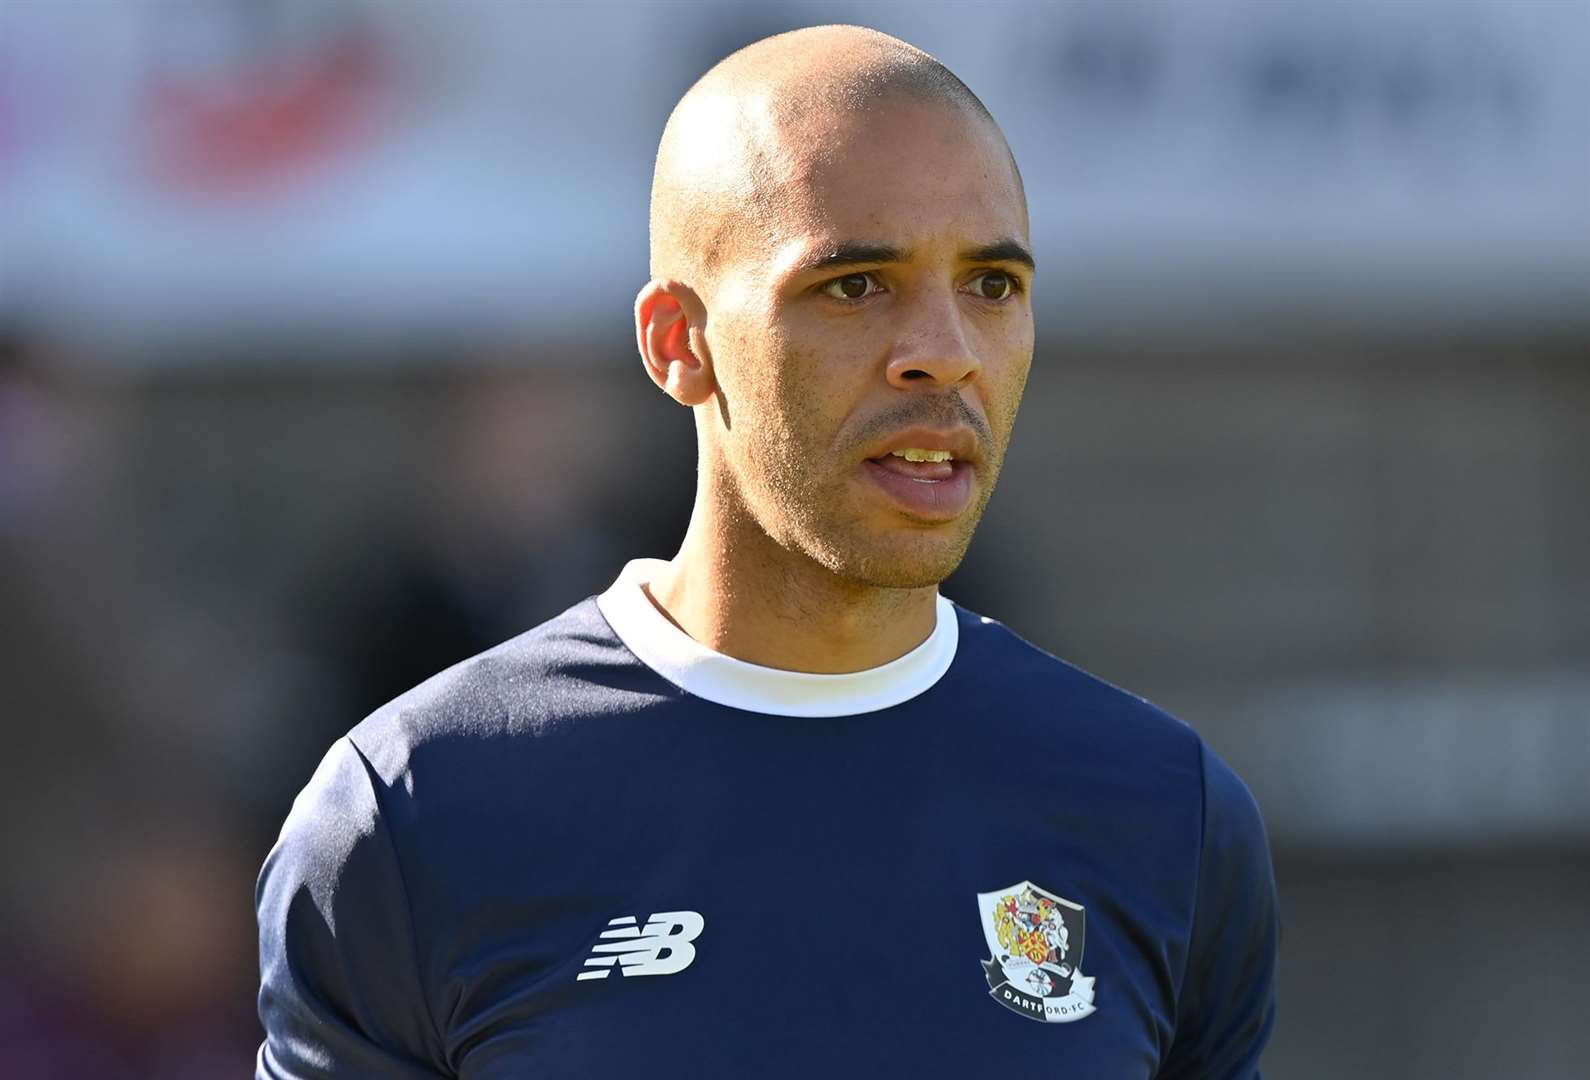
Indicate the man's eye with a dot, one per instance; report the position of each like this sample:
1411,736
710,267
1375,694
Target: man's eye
851,287
996,285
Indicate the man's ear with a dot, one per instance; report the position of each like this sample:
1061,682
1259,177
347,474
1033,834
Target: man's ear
665,314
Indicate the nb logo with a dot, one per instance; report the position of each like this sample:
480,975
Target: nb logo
661,947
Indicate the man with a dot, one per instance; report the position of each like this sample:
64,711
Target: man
775,808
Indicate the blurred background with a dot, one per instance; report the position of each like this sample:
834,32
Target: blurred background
317,375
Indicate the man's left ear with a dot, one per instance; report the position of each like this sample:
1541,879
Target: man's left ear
669,320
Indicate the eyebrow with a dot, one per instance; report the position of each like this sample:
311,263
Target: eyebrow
848,254
1002,251
856,254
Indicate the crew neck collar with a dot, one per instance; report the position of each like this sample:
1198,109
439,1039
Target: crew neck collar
693,667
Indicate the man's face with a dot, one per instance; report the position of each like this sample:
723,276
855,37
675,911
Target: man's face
887,311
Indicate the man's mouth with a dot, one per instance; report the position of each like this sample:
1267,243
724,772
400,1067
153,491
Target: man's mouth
928,466
928,484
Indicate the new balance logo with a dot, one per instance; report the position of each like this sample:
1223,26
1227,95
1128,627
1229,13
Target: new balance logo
661,947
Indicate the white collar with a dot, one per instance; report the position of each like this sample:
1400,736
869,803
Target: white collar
688,664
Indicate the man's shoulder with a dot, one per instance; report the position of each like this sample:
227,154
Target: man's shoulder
570,667
1052,689
502,728
1044,700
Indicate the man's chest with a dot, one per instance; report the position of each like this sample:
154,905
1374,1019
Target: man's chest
733,959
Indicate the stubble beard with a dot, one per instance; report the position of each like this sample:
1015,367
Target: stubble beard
800,493
814,520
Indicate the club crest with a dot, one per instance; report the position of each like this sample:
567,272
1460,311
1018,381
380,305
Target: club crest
1035,941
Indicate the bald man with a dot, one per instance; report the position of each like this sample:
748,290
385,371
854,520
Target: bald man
775,807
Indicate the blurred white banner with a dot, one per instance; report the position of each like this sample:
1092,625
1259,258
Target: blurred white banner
197,173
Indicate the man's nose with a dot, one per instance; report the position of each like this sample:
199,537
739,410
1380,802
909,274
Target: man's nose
932,349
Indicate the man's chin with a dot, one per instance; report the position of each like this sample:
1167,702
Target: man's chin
913,562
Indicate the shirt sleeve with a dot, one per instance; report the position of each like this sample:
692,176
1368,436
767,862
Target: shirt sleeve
1226,1008
340,990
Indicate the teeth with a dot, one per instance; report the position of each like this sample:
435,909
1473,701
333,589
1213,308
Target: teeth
913,454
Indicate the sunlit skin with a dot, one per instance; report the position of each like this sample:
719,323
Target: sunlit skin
801,369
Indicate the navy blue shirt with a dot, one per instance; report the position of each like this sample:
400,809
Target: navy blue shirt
558,859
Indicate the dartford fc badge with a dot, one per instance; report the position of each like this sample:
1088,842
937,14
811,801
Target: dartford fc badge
1035,939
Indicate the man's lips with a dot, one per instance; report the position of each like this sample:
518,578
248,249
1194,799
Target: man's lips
931,491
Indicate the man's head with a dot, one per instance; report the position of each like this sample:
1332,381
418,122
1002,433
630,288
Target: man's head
839,274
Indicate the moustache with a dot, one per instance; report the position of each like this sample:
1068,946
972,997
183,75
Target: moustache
950,410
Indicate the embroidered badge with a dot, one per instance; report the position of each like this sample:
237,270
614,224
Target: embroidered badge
1035,945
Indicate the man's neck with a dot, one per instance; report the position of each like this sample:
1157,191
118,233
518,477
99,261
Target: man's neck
739,593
